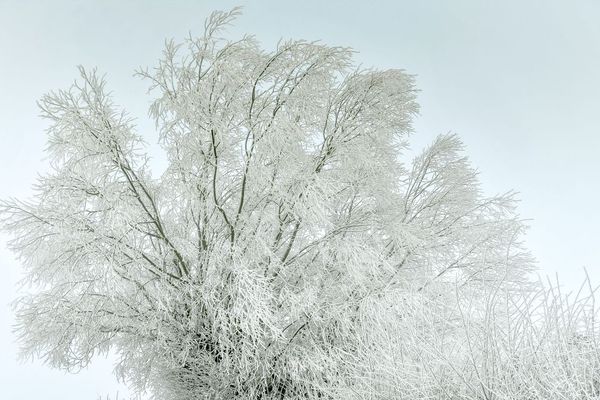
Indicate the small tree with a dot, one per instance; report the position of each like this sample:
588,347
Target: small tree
285,247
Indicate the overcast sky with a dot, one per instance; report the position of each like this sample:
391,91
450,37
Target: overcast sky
518,81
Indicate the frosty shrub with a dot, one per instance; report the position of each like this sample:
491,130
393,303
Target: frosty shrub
289,250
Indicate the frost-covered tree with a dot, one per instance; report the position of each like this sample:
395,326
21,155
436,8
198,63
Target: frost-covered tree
288,251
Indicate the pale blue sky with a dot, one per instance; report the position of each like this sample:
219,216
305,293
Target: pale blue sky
519,81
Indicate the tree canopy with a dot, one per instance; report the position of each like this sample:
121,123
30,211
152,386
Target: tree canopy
289,250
